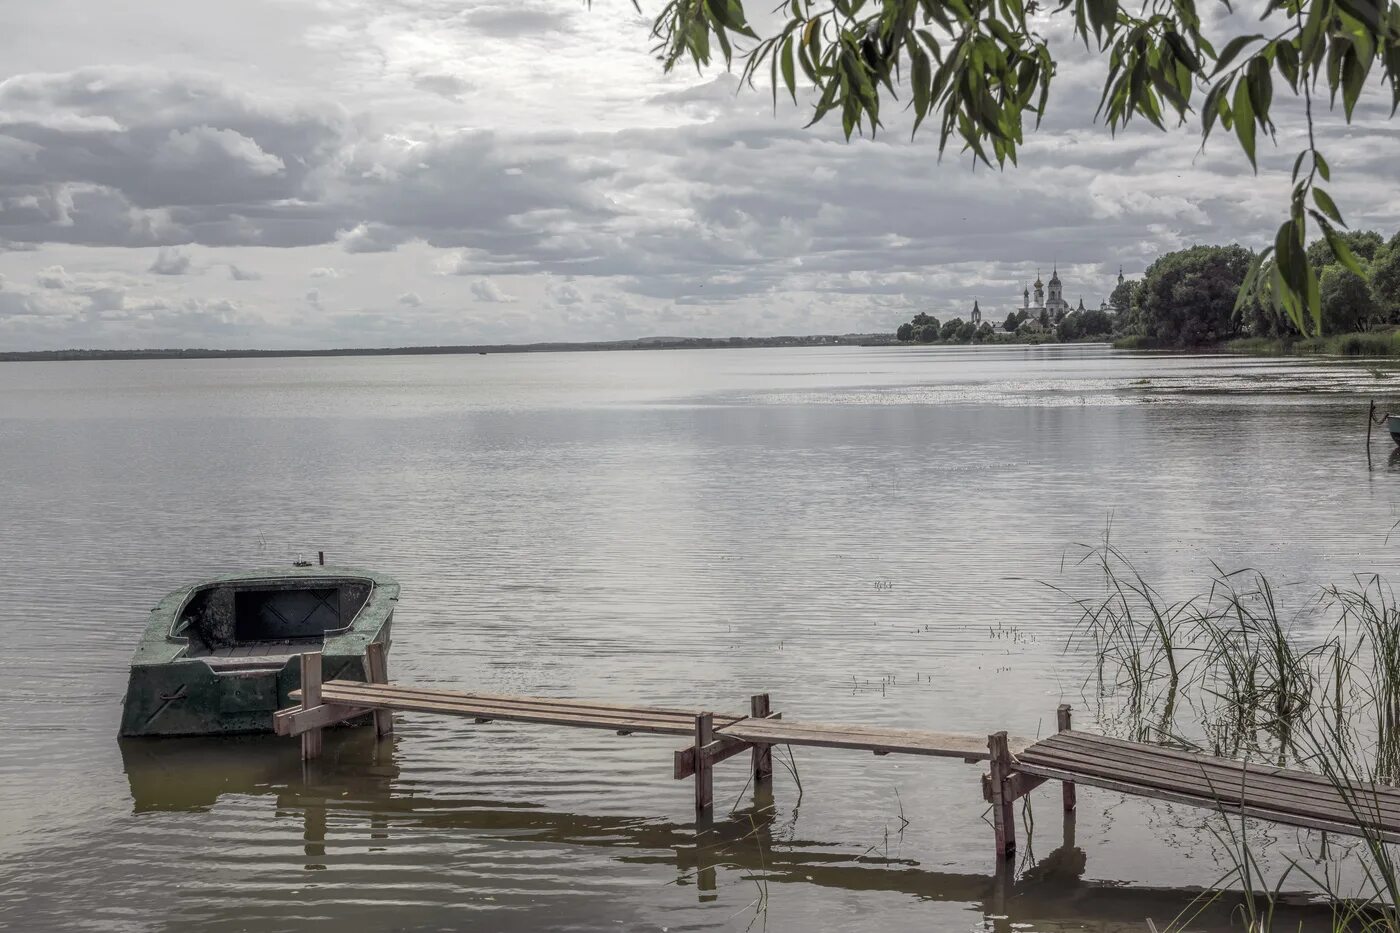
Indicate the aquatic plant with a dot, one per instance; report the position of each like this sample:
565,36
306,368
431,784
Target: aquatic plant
1323,696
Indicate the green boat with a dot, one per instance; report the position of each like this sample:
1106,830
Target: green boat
220,656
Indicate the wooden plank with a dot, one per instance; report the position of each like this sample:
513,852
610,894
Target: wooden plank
761,760
865,738
377,662
553,703
1063,723
1274,783
1268,782
704,770
1183,754
1314,803
311,698
378,700
1018,784
296,720
1135,790
1003,814
683,761
393,694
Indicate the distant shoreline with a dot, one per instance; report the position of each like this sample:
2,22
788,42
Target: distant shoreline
644,343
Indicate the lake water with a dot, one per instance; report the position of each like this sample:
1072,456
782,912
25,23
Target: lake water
865,533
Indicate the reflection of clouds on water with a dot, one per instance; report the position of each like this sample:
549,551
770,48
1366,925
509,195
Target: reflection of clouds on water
651,528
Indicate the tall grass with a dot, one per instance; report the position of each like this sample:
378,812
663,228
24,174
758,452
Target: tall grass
1363,343
1228,671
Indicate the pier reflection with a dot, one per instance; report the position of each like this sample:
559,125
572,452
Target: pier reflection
356,781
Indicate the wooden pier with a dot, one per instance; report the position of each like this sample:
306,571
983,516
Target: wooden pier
1015,766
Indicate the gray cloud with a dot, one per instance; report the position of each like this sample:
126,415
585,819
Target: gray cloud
170,261
148,157
446,85
673,204
372,238
411,299
490,292
53,277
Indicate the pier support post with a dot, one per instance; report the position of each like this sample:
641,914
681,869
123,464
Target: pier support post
378,664
1062,724
311,698
1003,814
704,768
760,707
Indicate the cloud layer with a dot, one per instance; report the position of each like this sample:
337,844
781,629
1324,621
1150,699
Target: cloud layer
398,187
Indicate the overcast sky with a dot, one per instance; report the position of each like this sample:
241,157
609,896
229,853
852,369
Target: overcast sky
308,173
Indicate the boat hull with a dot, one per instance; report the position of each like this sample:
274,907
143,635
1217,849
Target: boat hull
221,656
1392,423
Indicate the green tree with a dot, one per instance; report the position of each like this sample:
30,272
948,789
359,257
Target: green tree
1188,297
1084,325
1122,297
1346,300
1068,329
966,331
905,332
1364,244
927,333
950,328
1012,322
983,68
1385,281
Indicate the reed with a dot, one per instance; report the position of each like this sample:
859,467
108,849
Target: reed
1319,689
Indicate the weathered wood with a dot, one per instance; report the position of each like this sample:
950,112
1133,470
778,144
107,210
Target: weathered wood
683,760
378,662
632,719
1263,813
640,719
297,720
761,761
1281,788
310,699
1294,776
1003,814
1063,724
704,770
1018,784
438,693
864,738
1277,796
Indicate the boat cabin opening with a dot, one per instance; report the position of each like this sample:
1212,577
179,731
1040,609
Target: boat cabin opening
267,618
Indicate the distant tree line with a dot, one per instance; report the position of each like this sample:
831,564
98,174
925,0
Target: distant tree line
1019,327
1188,298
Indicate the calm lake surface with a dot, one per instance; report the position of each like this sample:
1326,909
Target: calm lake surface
865,533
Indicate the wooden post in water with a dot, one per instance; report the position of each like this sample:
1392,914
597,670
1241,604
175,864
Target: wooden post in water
378,664
704,768
321,558
760,707
310,699
1003,814
1062,723
1370,420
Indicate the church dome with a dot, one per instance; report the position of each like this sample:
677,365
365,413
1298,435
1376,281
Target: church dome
1055,277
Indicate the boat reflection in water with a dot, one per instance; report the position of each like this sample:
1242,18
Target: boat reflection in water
357,779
